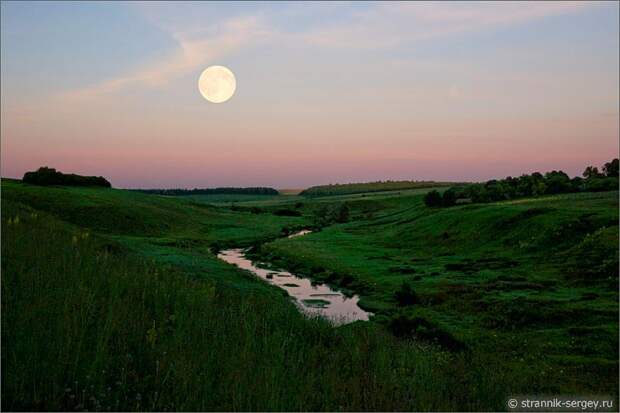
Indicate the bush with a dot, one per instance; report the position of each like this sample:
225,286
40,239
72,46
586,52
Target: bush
433,199
449,198
406,295
329,214
342,215
45,176
601,184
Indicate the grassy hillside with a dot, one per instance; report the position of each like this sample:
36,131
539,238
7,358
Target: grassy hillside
535,280
169,230
358,188
113,300
102,314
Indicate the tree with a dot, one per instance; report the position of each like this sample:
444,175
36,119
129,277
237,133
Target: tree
433,199
50,176
320,216
557,182
496,190
611,168
342,215
449,198
539,188
591,172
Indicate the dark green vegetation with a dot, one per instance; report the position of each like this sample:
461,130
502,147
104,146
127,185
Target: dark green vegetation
114,299
211,191
49,176
533,281
536,184
358,188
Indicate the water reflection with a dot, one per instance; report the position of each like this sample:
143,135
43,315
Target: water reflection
311,299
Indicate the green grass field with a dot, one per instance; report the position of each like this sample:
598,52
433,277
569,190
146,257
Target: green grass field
535,280
114,300
369,187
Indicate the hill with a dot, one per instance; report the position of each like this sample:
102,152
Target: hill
357,188
117,298
533,278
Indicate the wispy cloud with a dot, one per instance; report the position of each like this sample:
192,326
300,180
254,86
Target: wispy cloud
196,48
380,25
391,24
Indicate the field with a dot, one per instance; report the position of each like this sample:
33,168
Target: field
359,188
534,280
115,300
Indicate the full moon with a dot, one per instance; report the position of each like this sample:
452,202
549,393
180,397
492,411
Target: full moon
217,84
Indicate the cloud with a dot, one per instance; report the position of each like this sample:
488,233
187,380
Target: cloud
378,26
392,24
196,48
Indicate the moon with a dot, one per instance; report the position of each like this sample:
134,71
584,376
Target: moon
217,84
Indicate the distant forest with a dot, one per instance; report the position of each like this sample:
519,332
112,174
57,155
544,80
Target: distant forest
211,191
358,188
49,176
535,184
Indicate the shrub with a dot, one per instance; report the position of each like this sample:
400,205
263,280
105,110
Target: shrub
433,199
449,198
406,295
342,215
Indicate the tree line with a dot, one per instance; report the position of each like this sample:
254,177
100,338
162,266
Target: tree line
535,184
211,191
49,176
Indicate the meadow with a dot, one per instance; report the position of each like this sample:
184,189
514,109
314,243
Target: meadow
366,187
115,300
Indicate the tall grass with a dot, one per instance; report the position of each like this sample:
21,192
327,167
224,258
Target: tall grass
83,328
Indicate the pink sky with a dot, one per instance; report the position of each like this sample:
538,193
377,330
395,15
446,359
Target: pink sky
465,94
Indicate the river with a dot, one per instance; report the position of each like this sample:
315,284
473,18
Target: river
310,299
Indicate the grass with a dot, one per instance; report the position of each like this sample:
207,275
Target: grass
368,187
115,300
90,327
516,278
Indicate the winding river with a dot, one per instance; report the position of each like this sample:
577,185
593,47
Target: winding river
310,299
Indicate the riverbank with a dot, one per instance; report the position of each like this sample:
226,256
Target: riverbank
309,297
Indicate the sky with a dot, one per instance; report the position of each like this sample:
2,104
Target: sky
326,92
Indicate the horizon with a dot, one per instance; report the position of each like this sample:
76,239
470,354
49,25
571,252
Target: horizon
341,93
